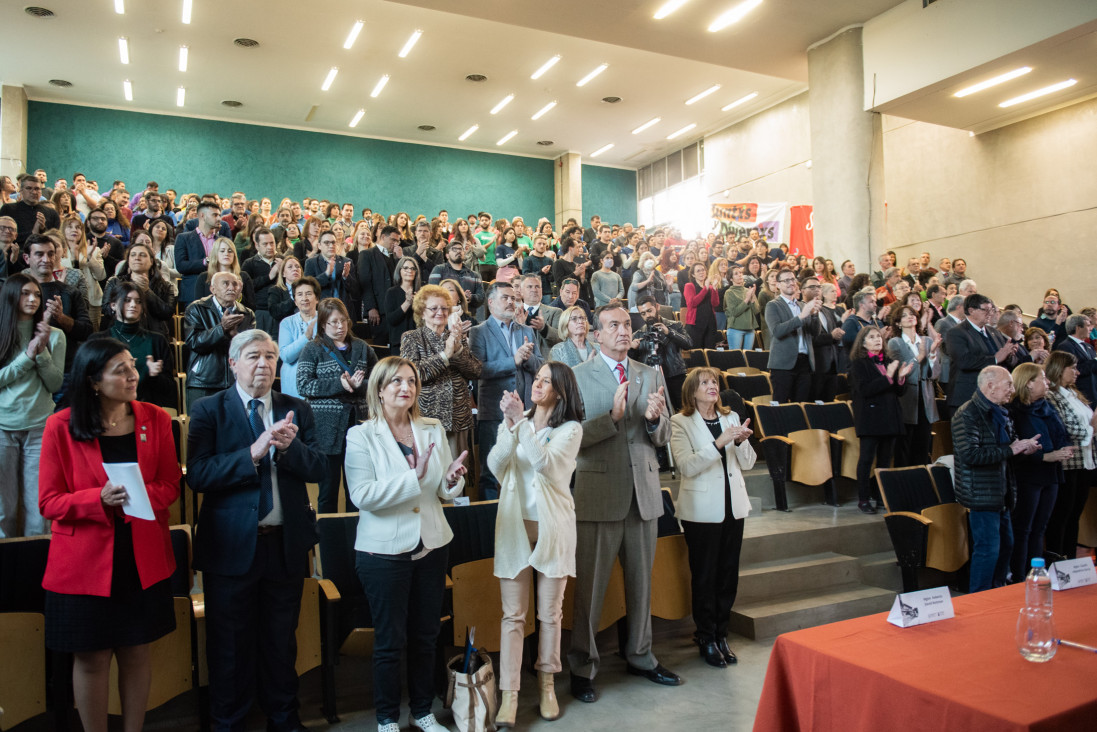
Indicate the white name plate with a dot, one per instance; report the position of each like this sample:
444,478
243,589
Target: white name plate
462,501
919,608
1071,573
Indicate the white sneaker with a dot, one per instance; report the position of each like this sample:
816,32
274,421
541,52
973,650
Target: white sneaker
428,724
388,727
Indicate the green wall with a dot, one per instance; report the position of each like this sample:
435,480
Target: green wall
610,193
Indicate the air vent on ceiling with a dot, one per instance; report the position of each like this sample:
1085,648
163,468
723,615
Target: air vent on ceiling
231,103
61,83
476,78
38,12
427,128
545,143
611,100
246,42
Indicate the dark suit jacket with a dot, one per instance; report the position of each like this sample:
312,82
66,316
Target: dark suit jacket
375,277
967,353
1087,366
826,348
190,257
785,331
876,409
219,465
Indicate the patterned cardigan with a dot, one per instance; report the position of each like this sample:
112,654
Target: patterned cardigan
444,392
319,383
1077,430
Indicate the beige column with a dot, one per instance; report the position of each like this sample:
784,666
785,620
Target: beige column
13,130
567,176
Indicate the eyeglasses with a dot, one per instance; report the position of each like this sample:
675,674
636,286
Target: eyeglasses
438,309
1051,302
786,280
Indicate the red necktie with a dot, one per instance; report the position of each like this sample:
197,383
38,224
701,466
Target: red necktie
621,374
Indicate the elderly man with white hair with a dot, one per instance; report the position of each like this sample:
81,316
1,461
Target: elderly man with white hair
210,323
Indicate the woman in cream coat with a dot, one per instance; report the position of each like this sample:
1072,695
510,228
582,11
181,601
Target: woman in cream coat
399,469
534,458
711,450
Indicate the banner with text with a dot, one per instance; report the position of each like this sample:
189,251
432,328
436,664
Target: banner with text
739,218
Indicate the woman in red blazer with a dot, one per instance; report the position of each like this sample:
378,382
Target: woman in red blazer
702,301
107,573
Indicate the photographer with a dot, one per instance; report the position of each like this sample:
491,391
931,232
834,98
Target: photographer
658,344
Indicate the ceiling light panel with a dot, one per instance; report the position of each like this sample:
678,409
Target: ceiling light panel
586,79
1000,79
601,150
127,89
734,15
646,125
120,7
357,118
545,67
737,102
353,35
181,96
468,133
188,6
1039,93
668,7
682,131
379,86
698,97
410,43
502,103
330,78
543,111
183,54
506,138
124,50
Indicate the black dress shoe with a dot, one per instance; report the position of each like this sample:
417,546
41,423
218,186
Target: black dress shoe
713,656
729,655
582,688
659,674
866,507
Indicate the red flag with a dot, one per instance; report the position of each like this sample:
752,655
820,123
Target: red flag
801,239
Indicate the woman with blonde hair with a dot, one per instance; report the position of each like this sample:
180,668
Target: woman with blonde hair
223,258
89,263
574,346
460,301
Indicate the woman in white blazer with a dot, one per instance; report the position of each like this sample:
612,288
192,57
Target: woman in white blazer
534,458
399,469
711,450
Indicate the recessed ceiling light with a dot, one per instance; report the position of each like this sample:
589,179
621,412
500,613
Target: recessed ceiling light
120,7
1039,93
410,44
330,78
183,58
187,7
545,67
502,103
127,89
357,117
1001,79
503,140
353,35
737,102
468,133
649,123
734,15
698,97
180,96
124,50
543,111
379,86
669,7
601,150
591,75
682,131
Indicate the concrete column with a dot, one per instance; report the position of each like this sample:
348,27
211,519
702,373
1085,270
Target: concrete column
567,178
13,130
847,154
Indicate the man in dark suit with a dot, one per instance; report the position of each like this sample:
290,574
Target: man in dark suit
791,357
376,267
251,451
334,273
972,346
1078,327
826,333
192,249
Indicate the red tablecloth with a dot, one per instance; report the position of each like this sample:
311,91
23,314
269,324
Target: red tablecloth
960,674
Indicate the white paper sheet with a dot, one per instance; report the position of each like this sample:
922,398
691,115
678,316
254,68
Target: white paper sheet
128,475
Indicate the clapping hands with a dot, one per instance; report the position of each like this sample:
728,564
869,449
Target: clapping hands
512,407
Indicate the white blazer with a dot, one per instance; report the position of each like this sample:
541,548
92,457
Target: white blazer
701,494
397,509
553,463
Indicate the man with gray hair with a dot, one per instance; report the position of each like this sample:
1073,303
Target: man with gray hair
953,317
210,324
967,287
864,313
251,450
1078,327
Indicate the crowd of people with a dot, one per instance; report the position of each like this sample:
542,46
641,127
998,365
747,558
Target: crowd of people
401,343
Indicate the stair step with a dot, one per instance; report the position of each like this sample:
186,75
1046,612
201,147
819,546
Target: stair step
786,535
818,572
881,570
794,611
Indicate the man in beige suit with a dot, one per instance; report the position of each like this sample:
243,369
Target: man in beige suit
617,498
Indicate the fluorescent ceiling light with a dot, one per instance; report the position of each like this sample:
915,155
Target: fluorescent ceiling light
410,44
734,15
503,140
183,58
468,133
711,90
353,35
120,7
180,96
545,67
740,100
357,117
502,103
669,7
682,131
187,6
1039,93
127,89
649,123
124,50
543,111
591,75
601,150
379,86
1001,79
329,79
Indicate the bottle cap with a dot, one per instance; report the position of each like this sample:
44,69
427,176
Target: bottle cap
1037,561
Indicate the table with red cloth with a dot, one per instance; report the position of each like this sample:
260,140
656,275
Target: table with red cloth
959,674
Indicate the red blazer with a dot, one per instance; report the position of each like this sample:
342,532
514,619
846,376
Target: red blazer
70,479
694,296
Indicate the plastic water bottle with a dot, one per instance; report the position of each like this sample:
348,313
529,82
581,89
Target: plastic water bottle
1035,627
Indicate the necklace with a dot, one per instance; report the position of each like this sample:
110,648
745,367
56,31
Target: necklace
123,336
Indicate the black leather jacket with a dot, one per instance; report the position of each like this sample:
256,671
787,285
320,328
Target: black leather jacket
208,366
670,346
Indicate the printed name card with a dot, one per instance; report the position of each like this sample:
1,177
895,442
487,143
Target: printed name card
1071,573
462,501
921,607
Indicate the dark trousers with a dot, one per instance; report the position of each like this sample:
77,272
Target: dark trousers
714,573
1062,527
1029,519
405,599
487,430
250,626
792,385
674,390
915,448
824,385
872,446
328,483
992,545
703,335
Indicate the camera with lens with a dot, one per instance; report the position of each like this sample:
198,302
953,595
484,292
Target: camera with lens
650,347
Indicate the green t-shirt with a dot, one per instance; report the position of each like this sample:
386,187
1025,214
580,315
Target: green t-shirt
487,240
